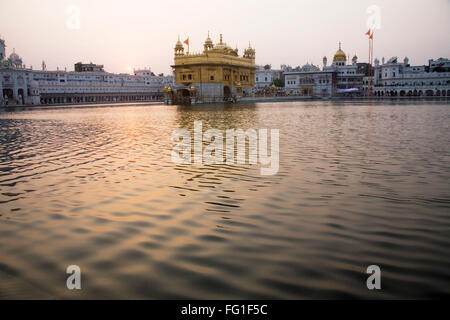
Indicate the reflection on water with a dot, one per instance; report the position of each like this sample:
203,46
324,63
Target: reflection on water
358,184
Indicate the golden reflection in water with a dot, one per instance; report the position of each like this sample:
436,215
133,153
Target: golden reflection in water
358,184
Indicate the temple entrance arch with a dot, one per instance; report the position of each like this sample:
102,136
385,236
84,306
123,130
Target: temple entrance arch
226,93
184,92
183,96
20,96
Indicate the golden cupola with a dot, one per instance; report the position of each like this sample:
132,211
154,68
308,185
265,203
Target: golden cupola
179,49
209,45
250,52
339,55
222,45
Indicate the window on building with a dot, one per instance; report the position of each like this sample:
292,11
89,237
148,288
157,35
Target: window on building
211,78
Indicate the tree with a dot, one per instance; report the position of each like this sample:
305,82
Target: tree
267,67
278,83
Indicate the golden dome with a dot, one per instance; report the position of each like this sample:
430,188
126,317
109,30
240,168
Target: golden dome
222,45
179,45
208,40
250,49
340,55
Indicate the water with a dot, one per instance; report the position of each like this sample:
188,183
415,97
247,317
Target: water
359,184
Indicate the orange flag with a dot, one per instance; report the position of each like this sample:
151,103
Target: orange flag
186,41
368,33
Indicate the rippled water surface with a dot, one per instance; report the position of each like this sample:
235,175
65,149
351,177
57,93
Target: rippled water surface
359,184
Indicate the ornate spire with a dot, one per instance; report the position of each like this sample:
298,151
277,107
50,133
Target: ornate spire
250,52
208,43
179,49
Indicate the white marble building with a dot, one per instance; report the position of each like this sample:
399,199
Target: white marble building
264,78
396,78
336,79
20,85
349,77
310,81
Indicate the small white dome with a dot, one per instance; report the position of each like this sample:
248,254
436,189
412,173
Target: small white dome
15,59
309,67
34,84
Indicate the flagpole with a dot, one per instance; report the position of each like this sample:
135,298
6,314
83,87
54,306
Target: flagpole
369,89
371,61
370,66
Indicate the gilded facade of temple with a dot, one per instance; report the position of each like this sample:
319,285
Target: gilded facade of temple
217,74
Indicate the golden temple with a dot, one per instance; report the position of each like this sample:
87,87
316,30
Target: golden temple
217,74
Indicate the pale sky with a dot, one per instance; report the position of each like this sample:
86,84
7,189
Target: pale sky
142,33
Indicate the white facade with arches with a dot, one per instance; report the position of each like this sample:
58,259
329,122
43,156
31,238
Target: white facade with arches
400,79
20,85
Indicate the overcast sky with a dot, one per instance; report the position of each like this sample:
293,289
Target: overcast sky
142,33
